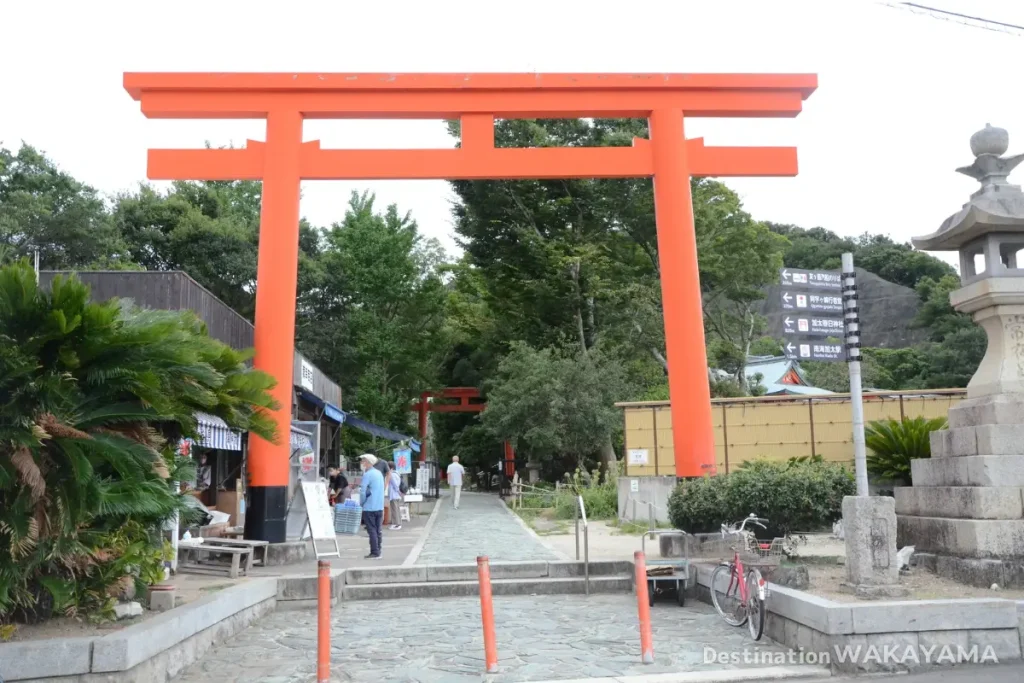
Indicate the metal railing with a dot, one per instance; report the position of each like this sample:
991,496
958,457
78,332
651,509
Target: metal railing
652,512
581,510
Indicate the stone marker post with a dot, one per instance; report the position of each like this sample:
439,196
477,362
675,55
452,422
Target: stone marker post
964,513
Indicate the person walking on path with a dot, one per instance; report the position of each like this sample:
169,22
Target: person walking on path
372,499
395,500
455,472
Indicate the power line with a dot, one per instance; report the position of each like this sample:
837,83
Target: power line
958,18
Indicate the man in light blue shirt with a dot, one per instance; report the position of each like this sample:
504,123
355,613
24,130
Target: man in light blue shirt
372,498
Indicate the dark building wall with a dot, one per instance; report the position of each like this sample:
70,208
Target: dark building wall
169,291
176,291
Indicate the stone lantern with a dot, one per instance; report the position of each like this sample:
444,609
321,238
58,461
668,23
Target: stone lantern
964,514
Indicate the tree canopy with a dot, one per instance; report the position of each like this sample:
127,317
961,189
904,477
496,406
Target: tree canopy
553,307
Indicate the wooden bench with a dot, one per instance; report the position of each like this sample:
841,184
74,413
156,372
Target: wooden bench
186,550
259,548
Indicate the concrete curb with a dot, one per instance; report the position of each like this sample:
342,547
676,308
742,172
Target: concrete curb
775,673
529,530
803,621
414,554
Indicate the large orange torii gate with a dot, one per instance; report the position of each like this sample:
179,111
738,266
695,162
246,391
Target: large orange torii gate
284,100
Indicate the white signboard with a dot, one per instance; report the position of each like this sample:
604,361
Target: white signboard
319,516
637,456
306,377
634,485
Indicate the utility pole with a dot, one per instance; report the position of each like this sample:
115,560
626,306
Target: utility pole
851,316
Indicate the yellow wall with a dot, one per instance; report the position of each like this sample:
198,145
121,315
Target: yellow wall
773,428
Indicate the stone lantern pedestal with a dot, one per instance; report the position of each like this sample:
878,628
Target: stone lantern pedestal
965,511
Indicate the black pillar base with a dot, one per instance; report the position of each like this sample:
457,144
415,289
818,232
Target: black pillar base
266,514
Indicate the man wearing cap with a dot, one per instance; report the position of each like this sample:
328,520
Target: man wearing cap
372,498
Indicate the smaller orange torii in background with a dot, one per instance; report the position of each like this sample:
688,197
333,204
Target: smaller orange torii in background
469,401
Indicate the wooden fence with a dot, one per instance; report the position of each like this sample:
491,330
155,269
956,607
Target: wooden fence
776,428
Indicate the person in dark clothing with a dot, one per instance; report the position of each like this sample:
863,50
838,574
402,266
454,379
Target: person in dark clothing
338,485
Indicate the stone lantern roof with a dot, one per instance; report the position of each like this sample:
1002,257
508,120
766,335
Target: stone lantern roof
998,207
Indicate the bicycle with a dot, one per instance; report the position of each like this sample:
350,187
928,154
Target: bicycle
750,592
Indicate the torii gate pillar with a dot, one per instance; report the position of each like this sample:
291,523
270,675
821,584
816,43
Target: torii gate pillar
284,100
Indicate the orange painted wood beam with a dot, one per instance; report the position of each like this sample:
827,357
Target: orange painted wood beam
475,163
434,96
137,83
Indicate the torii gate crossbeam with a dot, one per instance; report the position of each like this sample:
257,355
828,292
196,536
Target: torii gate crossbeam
284,100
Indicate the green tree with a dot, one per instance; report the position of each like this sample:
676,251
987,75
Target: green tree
376,319
93,400
42,208
552,405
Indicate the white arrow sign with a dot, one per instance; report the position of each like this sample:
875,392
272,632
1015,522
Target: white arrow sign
789,323
786,297
785,274
790,347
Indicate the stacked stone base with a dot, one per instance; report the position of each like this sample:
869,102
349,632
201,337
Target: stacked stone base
965,512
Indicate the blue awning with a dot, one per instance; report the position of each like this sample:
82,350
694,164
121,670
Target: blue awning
330,411
378,431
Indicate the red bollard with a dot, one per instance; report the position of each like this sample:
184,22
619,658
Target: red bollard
323,635
643,607
483,566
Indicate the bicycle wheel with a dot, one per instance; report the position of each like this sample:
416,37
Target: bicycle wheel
756,608
725,587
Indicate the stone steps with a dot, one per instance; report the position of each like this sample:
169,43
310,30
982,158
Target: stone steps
507,578
452,589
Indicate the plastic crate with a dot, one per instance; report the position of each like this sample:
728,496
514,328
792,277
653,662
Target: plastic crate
347,520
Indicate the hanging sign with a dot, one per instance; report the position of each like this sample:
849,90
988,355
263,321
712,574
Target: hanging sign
403,460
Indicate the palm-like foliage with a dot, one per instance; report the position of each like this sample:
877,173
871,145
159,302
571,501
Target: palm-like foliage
895,443
93,398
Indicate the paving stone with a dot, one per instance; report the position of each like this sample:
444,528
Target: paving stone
439,639
481,526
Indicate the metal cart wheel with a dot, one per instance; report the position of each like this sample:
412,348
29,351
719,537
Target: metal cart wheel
681,592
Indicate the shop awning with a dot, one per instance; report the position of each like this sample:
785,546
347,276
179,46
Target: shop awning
215,433
330,411
378,431
300,441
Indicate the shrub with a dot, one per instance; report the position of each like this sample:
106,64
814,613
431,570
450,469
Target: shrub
600,495
793,496
93,398
895,443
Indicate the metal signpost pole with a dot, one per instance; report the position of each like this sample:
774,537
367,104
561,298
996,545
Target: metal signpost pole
852,320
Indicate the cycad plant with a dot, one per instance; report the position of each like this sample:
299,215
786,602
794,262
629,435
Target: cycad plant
94,398
895,443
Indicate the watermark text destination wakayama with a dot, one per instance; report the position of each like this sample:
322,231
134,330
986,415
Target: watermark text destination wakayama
857,654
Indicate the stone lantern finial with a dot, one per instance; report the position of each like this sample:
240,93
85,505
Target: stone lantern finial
990,168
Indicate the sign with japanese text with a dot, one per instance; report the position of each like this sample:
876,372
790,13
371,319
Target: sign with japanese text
811,279
816,303
813,326
818,351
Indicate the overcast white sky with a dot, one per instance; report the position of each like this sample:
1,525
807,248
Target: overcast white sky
899,95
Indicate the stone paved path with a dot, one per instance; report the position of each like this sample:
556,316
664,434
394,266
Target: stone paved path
481,526
440,641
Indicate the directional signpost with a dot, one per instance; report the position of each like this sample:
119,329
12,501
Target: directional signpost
819,351
811,279
812,326
824,303
816,303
